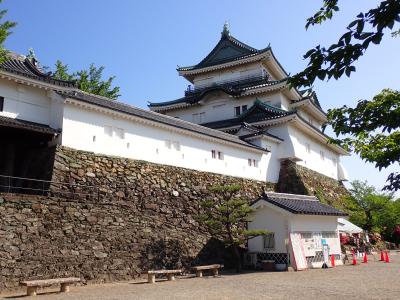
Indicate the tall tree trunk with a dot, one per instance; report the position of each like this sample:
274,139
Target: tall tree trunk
238,259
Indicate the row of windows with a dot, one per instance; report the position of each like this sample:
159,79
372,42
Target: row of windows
174,145
169,144
252,163
111,131
217,154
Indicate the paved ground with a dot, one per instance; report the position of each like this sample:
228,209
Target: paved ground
375,280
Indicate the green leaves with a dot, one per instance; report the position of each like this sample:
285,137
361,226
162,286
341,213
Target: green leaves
324,13
227,214
334,61
89,80
373,211
5,31
372,130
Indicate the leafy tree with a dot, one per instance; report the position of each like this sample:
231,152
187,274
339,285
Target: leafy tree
372,127
5,31
226,216
373,211
88,80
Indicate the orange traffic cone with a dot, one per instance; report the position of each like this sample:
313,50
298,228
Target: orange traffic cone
387,260
333,261
354,259
365,258
382,256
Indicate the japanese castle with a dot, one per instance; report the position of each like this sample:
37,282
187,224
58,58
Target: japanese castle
243,91
238,117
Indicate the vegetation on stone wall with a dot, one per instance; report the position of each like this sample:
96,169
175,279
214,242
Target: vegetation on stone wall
296,179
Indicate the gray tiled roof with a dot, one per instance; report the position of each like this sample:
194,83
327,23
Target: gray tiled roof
22,66
22,124
156,117
227,49
301,204
258,112
230,88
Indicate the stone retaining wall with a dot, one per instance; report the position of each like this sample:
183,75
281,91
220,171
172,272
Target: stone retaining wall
114,217
296,179
144,217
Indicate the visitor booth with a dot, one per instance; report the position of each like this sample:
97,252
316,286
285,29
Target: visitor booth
300,229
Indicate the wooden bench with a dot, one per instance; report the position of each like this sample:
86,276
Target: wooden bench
32,285
214,268
151,275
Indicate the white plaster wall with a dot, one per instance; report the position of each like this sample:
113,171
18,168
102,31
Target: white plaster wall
147,142
313,160
274,221
310,119
311,223
28,103
274,164
234,73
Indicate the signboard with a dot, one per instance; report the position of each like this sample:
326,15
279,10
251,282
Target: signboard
298,253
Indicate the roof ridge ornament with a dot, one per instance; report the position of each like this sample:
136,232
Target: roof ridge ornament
225,29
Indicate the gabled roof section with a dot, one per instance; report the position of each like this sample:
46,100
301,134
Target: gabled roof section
264,108
310,94
227,49
260,111
300,204
22,66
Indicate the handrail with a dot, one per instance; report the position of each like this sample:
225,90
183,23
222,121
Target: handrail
230,82
46,186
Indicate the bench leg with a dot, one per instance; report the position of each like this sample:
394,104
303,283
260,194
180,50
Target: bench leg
31,290
151,278
215,272
64,287
171,277
199,273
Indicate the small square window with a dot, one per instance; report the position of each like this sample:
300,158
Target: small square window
269,241
322,155
119,133
244,108
108,131
249,162
176,145
255,163
220,155
213,154
237,110
308,148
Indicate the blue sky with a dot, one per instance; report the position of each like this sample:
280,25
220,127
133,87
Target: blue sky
142,42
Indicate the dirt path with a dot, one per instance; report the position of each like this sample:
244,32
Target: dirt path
375,280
